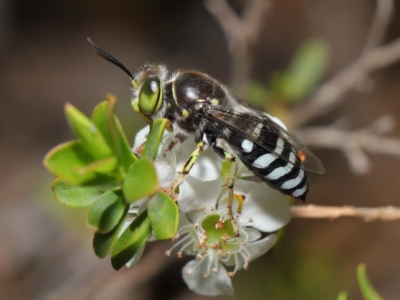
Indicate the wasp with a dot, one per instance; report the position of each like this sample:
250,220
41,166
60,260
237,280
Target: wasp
201,107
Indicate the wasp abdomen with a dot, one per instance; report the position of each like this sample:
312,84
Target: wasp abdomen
283,175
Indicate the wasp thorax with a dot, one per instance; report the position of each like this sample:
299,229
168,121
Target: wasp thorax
150,96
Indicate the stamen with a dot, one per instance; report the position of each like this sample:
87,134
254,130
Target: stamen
214,270
179,254
167,253
189,272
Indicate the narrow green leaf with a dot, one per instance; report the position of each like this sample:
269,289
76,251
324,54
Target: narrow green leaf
140,181
109,126
164,216
66,161
366,288
131,240
342,296
107,211
153,141
92,139
306,69
103,242
79,196
103,166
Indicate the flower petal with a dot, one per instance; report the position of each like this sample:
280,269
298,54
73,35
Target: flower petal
207,167
277,121
244,187
215,284
166,173
140,137
194,194
260,247
267,209
253,234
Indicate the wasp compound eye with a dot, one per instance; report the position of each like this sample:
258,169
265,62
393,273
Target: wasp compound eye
150,96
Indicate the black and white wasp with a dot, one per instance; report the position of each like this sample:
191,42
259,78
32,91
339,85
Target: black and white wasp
201,107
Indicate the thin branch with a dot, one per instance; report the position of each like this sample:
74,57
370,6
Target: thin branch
241,34
388,213
354,144
372,59
383,16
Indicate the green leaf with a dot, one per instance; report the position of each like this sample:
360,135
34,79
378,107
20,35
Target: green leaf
306,69
141,180
131,240
103,242
153,141
110,128
107,211
92,139
366,288
79,196
104,166
164,216
342,296
67,160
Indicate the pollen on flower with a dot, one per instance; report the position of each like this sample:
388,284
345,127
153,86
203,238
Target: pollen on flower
212,208
167,253
205,275
176,237
195,225
189,272
214,270
219,225
199,256
250,220
179,254
244,242
246,266
231,274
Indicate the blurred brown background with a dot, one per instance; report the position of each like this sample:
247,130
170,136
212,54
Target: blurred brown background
45,248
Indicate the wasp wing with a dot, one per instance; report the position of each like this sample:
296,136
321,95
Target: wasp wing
258,127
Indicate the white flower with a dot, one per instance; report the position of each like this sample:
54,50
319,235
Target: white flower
206,229
211,237
204,176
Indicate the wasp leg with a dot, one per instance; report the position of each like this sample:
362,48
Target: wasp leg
230,180
187,167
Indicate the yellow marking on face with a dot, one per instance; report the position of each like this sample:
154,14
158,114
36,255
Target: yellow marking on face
135,105
173,91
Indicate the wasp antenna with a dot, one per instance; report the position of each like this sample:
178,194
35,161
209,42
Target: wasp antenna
100,52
